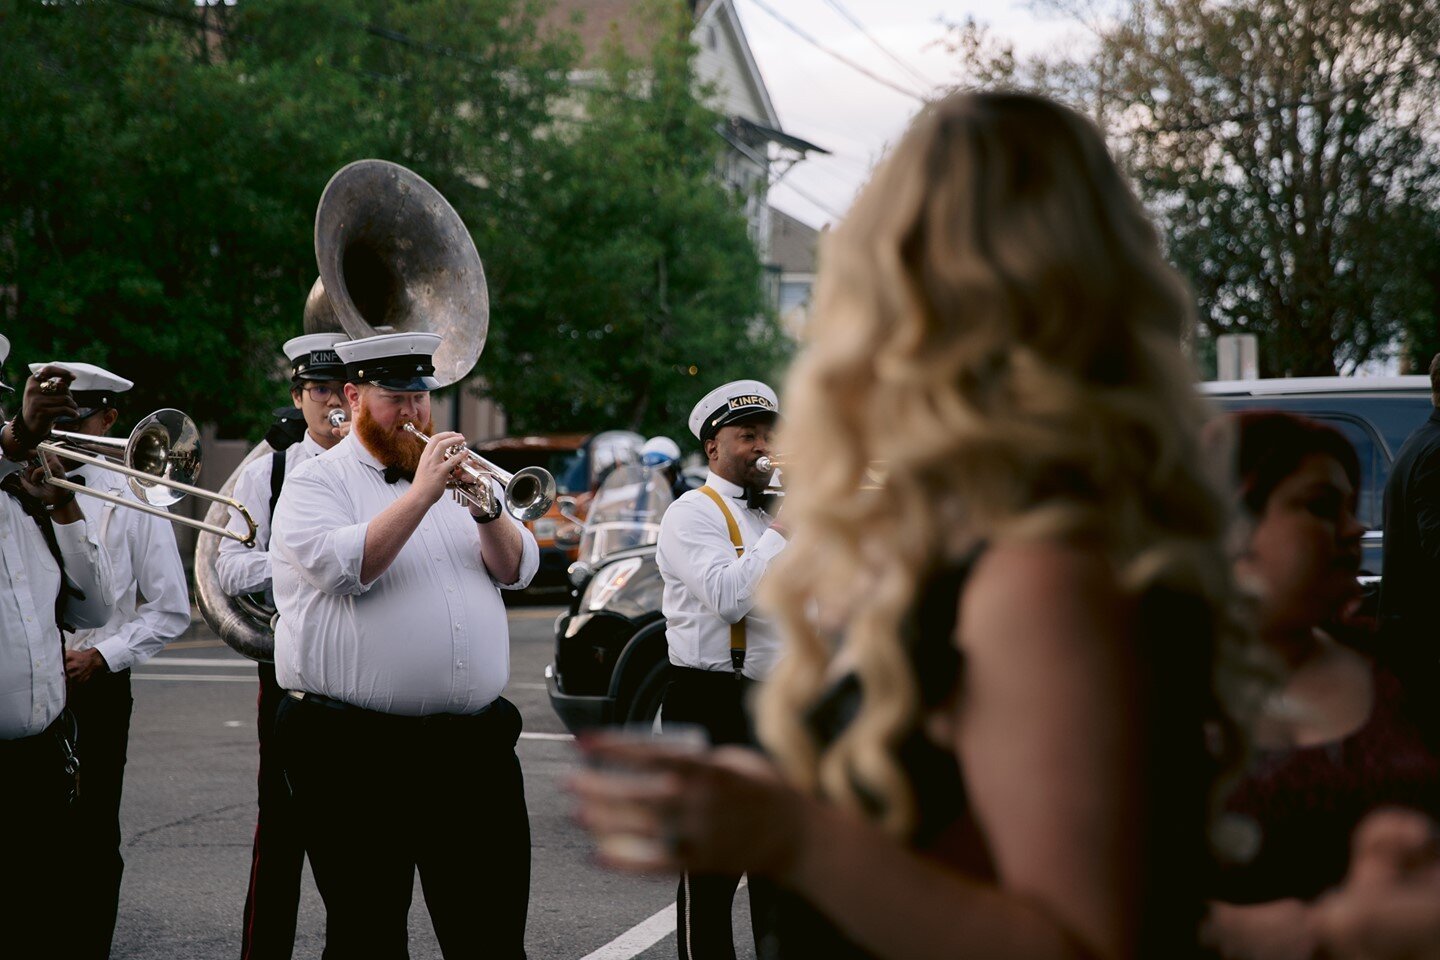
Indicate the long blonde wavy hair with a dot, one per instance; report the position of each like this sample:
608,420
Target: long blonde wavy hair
996,327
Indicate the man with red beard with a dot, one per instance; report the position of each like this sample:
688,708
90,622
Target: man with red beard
393,643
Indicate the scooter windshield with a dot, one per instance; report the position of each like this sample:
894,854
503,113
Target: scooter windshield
625,512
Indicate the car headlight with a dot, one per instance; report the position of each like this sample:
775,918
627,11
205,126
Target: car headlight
609,582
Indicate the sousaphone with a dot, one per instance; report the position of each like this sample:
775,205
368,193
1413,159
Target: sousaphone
393,257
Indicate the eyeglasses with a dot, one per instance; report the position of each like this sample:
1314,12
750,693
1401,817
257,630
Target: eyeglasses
322,392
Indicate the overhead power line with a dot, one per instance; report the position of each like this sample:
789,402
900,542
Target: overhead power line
840,8
800,32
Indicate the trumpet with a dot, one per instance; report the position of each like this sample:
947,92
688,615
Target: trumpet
528,492
162,459
874,471
336,416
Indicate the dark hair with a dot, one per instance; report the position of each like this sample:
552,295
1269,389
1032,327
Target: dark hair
1268,446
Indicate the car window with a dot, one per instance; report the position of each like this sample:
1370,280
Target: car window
1374,467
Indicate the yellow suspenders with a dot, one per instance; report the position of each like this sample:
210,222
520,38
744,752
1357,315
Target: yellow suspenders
737,629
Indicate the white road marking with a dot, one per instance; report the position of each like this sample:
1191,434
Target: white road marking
547,736
198,662
643,935
520,685
210,677
638,938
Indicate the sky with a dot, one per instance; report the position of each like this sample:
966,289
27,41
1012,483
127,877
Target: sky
835,106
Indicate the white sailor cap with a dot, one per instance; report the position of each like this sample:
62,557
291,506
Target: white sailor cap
313,356
737,400
94,388
395,361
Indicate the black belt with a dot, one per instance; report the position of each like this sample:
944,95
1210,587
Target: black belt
340,706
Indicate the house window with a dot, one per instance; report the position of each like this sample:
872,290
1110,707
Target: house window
710,40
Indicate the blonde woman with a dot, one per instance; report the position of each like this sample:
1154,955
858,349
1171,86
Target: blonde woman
987,731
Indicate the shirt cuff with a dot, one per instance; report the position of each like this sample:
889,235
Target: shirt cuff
769,545
76,539
348,545
117,654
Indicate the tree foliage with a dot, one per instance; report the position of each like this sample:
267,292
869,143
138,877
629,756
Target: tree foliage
160,163
643,278
1288,150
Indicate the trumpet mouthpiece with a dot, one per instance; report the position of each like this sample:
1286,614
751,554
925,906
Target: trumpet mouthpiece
336,417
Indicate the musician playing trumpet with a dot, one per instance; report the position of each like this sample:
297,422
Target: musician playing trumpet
317,389
393,641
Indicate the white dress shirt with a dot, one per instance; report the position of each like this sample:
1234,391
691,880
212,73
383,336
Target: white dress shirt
427,636
707,588
32,668
240,569
144,566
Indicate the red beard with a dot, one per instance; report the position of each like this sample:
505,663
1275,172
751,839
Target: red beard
394,448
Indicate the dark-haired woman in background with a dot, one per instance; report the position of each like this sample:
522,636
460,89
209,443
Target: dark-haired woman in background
1337,737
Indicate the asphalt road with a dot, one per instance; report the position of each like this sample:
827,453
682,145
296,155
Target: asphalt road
189,814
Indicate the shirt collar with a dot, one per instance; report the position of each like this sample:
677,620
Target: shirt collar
311,446
360,452
725,487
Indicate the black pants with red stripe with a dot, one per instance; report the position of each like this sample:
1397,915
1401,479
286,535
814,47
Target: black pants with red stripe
715,700
278,857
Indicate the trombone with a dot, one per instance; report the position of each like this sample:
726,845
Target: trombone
162,459
528,491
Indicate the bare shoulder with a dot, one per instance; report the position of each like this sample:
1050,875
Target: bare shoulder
1039,595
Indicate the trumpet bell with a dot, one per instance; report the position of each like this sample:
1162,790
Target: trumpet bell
530,493
165,445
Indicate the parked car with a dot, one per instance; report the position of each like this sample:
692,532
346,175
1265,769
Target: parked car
1375,414
579,463
610,652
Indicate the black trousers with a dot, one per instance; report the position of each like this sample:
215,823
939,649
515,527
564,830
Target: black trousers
380,796
102,706
716,701
34,789
277,858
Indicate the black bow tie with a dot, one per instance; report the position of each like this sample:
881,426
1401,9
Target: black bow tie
757,498
395,473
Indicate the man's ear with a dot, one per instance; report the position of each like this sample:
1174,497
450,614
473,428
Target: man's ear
352,394
109,418
295,393
712,449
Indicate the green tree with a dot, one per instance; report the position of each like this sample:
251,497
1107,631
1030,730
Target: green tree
161,163
1283,146
641,289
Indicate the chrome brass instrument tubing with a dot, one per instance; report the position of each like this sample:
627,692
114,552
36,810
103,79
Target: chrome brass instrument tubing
336,416
161,457
766,464
528,492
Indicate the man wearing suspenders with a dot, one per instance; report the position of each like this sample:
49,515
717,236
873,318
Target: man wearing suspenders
317,386
715,545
